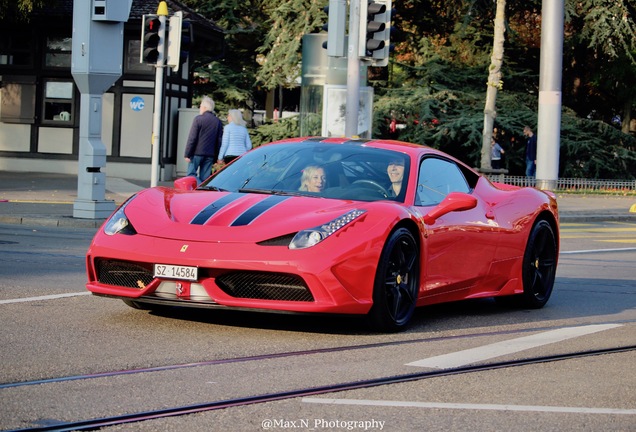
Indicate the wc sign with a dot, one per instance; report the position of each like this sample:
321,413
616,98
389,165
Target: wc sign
137,103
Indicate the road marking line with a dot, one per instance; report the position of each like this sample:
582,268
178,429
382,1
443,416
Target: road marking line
597,251
600,230
46,297
38,201
490,407
486,352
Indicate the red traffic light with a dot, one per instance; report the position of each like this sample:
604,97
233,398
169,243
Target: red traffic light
150,39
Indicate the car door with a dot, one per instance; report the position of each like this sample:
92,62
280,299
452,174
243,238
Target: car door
459,246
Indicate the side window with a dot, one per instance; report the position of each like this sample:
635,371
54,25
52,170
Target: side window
58,52
132,55
17,99
16,48
58,102
436,179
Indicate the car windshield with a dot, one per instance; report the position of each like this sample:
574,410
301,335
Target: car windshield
343,171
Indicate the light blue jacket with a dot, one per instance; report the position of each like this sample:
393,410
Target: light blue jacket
236,141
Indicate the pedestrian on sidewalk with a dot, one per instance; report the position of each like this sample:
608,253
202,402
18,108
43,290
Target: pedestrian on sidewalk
204,141
236,139
531,152
495,153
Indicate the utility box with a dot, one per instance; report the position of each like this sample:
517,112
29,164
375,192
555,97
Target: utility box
96,63
110,10
97,44
186,117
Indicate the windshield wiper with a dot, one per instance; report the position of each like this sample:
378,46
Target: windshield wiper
212,188
258,191
270,192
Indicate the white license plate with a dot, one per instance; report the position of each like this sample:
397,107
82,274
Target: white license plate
167,271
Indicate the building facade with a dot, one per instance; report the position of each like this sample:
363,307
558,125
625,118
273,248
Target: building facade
39,101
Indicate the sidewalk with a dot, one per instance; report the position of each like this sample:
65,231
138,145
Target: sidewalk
44,199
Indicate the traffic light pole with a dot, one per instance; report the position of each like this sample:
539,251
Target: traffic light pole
353,71
156,121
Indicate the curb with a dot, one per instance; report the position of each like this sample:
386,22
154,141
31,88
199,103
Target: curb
63,222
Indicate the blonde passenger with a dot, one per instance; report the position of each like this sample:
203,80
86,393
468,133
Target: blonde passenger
313,179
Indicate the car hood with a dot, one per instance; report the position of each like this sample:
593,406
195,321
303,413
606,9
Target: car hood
229,216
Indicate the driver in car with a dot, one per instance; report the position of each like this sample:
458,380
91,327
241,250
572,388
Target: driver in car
395,170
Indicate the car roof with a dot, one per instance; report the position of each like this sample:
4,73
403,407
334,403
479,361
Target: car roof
400,146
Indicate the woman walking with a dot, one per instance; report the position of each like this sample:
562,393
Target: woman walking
236,140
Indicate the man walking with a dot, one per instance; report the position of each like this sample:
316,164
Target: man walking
531,152
204,141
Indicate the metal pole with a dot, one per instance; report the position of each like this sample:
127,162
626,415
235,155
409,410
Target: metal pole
353,71
550,75
156,120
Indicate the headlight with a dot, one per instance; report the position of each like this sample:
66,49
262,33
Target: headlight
118,223
313,236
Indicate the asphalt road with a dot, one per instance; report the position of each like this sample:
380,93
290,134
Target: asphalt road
132,361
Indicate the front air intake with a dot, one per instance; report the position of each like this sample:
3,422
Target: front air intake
265,286
123,273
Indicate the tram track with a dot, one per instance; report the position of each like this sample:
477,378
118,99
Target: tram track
271,356
92,424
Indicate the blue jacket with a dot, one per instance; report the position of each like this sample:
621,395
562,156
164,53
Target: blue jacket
531,148
236,141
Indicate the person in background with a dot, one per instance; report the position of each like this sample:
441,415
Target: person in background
313,179
495,153
531,152
236,140
204,141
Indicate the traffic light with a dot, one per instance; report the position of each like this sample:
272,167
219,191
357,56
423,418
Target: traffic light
375,31
179,41
151,43
187,38
336,28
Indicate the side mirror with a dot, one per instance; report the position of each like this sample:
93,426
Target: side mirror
186,183
454,201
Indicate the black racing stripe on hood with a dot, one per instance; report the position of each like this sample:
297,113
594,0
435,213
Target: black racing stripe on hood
258,209
204,215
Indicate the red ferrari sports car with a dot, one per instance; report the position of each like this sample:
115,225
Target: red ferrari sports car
330,225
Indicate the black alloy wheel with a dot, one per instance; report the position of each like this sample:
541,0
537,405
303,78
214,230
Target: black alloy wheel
539,266
396,283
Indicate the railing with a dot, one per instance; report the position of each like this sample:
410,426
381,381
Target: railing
573,185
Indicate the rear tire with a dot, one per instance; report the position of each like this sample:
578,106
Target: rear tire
396,283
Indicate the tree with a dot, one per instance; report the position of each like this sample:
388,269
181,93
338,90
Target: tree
493,84
20,8
288,21
609,31
434,84
232,80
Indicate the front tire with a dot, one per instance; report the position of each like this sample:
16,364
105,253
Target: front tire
539,269
396,283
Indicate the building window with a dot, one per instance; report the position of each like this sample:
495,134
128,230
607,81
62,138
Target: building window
133,55
58,52
58,103
16,48
18,99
